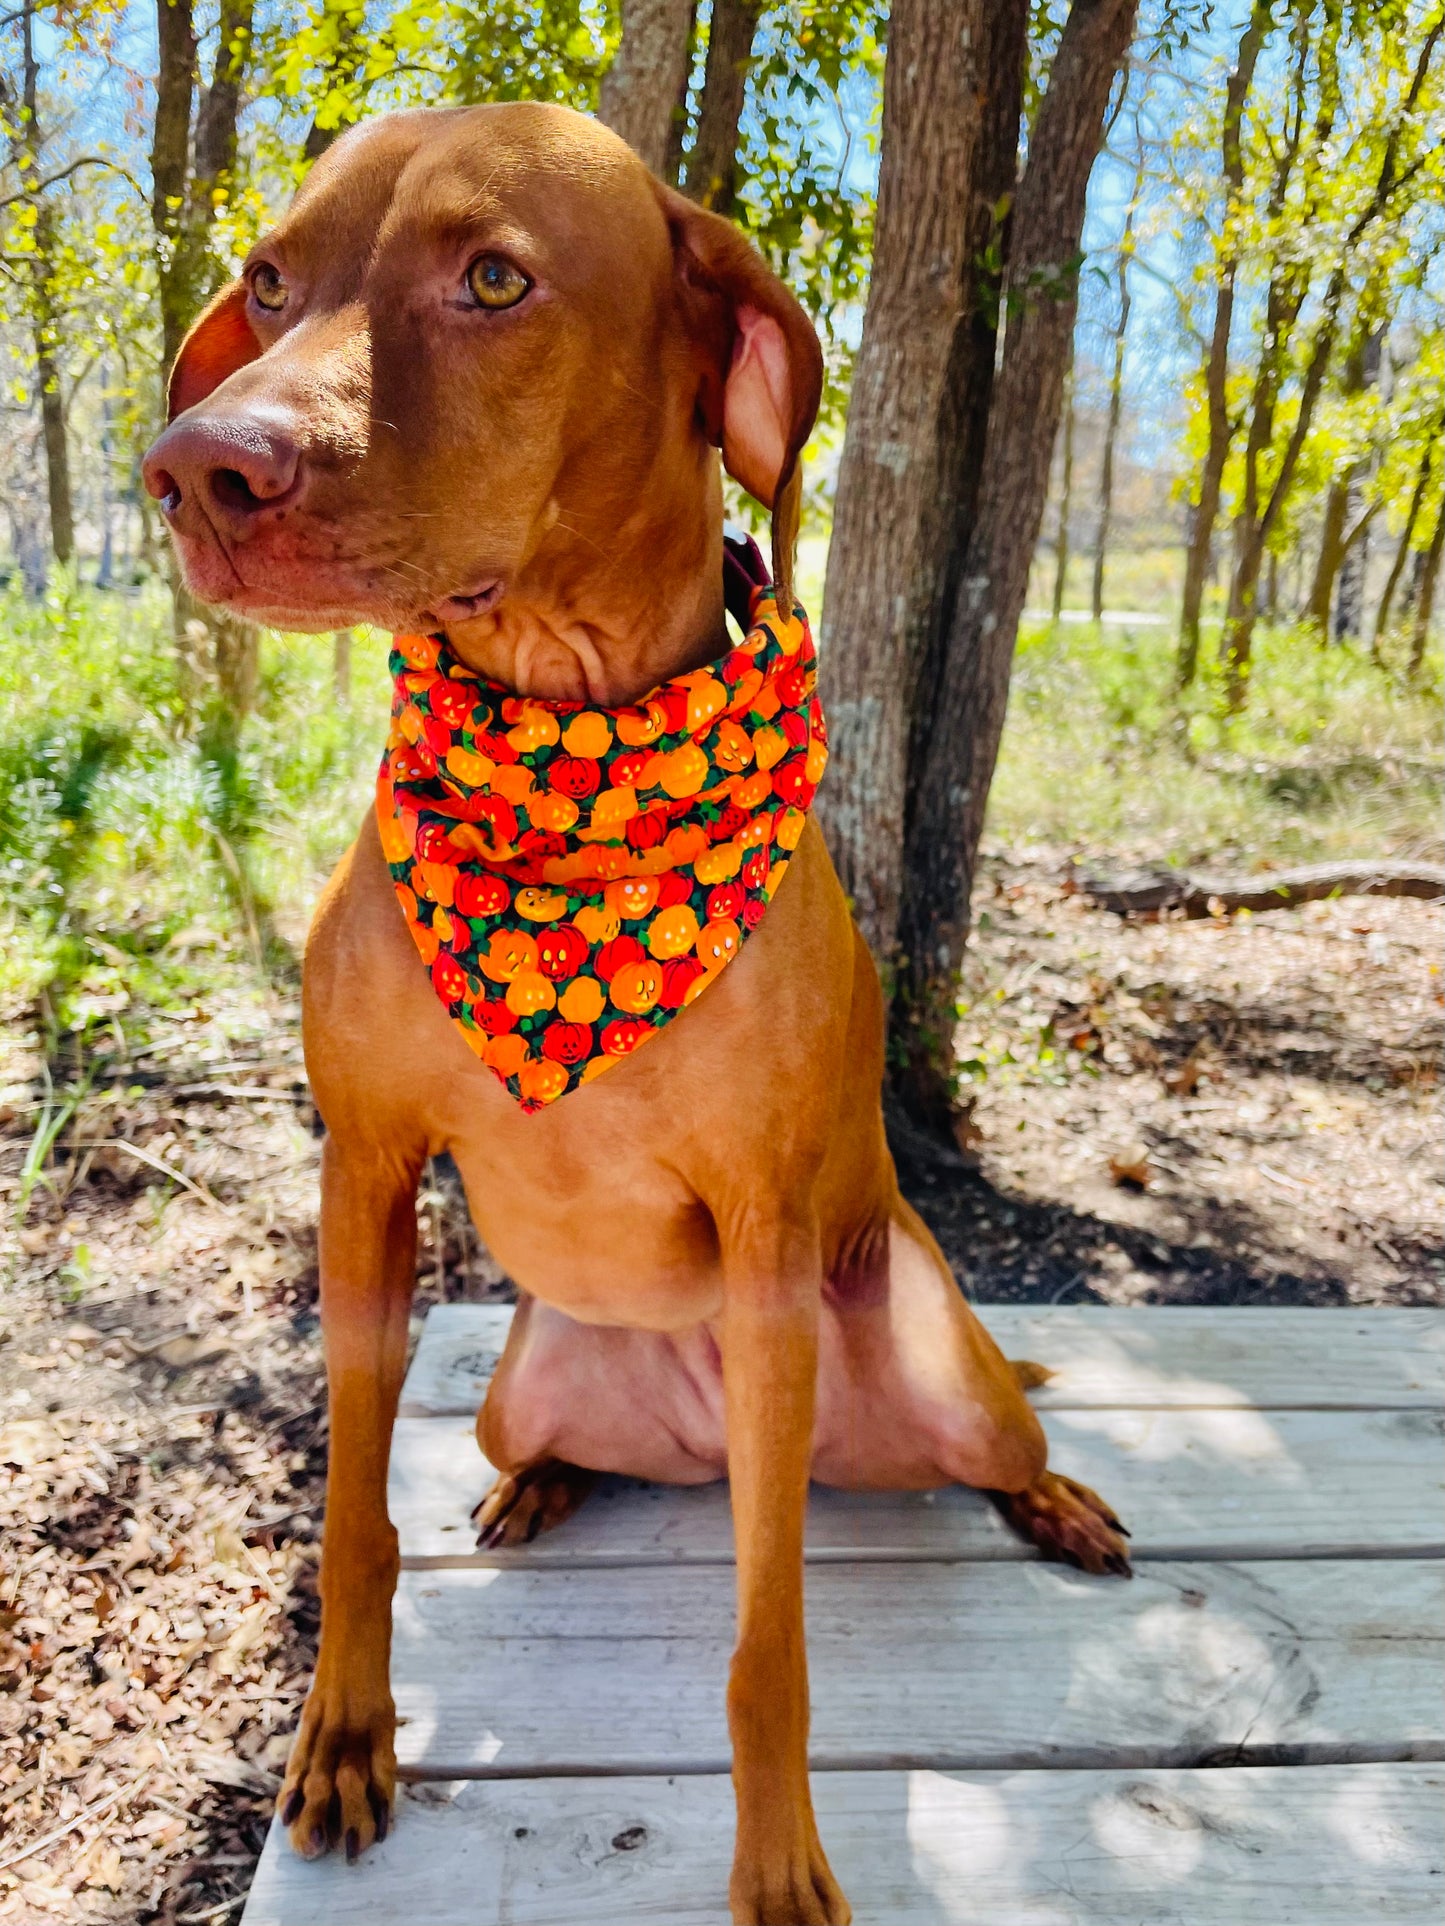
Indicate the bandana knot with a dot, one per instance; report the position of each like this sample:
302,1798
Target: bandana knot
575,876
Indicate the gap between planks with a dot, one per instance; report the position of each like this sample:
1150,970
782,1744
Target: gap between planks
1305,1758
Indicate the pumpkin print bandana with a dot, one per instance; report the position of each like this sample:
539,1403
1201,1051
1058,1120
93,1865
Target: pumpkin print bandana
575,876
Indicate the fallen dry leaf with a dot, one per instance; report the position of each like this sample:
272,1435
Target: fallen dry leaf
1130,1167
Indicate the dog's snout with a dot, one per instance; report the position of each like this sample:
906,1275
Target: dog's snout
230,468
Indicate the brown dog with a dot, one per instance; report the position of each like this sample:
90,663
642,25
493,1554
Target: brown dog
475,381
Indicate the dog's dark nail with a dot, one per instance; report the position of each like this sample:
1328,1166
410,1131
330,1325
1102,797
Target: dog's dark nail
534,1526
318,1839
291,1808
353,1845
383,1817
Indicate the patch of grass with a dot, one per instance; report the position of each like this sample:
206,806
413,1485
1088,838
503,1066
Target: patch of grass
134,850
1333,756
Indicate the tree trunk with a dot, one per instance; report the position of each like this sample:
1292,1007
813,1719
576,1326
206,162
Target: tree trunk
1066,491
216,121
1361,370
238,665
952,73
1397,567
1221,429
1116,398
188,194
1332,553
341,666
712,164
642,87
1354,567
44,316
52,401
965,705
1425,601
170,157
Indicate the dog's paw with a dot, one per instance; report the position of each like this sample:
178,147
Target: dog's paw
341,1777
793,1889
517,1509
1067,1521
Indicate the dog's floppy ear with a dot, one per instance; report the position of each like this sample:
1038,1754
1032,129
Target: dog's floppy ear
220,341
761,366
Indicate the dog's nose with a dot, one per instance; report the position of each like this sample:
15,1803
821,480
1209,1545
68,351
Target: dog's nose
230,468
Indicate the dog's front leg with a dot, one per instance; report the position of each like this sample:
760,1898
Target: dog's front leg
773,1281
342,1773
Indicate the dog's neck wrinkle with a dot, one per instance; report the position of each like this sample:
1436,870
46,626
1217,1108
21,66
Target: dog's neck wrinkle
558,658
608,635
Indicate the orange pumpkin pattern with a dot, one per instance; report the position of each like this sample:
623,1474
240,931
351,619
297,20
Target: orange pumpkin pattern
574,876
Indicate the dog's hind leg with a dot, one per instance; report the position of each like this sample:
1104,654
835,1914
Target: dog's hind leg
569,1400
920,1396
519,1508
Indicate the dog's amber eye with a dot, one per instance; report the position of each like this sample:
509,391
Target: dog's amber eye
268,287
496,282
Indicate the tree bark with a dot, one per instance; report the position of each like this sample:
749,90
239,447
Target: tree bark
1407,536
1221,428
216,120
187,192
712,164
965,705
1066,491
1425,601
45,317
341,643
1361,369
1354,567
1116,398
170,160
642,87
1327,565
952,95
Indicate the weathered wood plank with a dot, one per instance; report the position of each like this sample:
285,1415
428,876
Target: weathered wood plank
1142,1357
999,1666
1332,1846
1196,1484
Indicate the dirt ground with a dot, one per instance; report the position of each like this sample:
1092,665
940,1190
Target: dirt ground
1238,1111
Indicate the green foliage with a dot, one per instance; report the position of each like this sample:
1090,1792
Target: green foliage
806,147
1339,233
122,838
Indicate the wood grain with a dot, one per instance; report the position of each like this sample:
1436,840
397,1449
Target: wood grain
1333,1846
1179,1356
1213,1483
992,1666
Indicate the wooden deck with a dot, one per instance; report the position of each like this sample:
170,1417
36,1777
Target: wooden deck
1254,1729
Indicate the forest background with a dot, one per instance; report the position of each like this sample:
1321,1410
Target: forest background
1160,283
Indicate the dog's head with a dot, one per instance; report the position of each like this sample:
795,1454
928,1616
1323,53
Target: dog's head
485,355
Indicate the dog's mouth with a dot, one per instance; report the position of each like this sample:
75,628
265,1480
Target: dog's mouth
312,592
462,607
